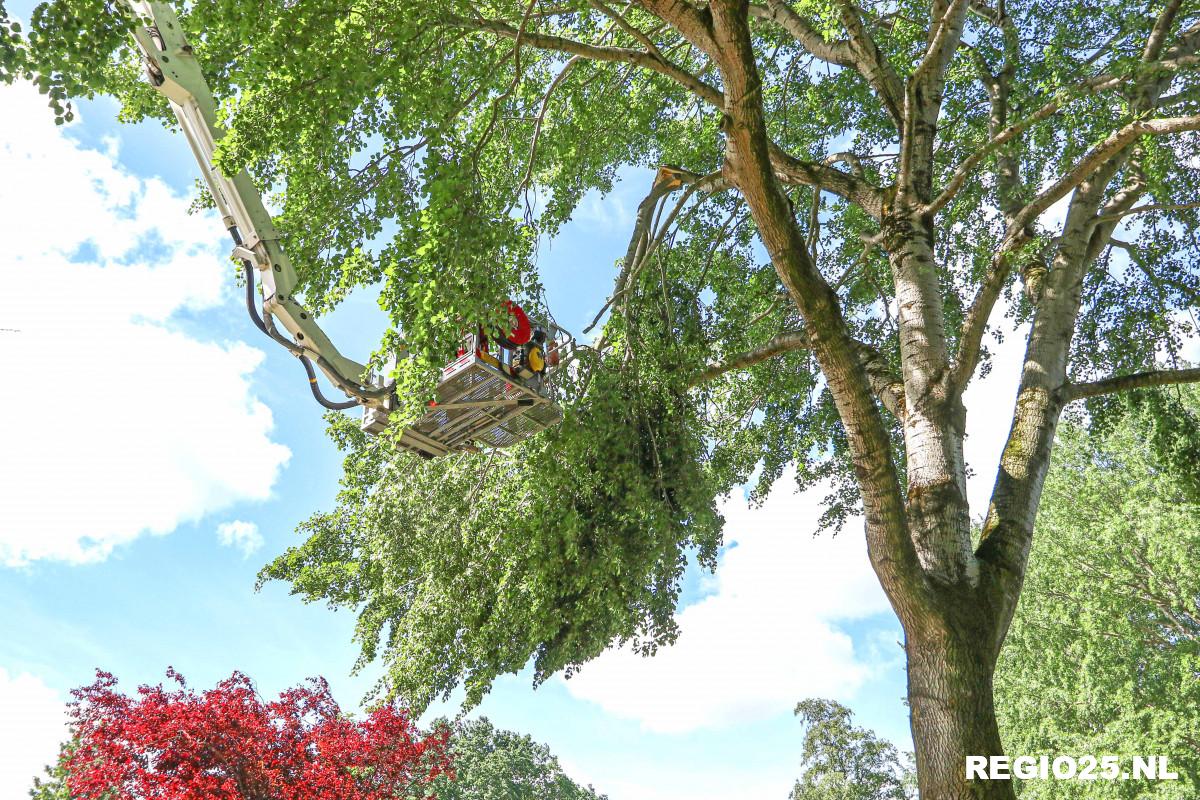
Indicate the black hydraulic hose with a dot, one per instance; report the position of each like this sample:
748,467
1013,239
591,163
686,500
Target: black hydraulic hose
294,349
362,394
332,405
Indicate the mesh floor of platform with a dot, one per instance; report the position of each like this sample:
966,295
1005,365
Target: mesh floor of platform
498,422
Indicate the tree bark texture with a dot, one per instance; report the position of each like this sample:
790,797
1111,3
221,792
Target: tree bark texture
950,669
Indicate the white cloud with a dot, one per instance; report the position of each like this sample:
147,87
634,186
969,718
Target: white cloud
607,214
764,638
240,534
32,726
114,421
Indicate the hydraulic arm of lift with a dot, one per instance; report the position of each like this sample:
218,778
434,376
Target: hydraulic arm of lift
175,73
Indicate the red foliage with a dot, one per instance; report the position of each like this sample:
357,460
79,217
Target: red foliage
228,744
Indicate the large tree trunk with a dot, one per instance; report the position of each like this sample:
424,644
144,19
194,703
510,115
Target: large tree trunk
950,667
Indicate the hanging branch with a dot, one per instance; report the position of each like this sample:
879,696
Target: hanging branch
516,81
537,127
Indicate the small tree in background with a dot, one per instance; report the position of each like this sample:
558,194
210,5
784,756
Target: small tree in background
845,762
492,764
226,743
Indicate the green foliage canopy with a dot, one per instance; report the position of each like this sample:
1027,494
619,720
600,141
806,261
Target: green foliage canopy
1104,652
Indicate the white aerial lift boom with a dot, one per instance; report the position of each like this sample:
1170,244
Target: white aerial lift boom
483,399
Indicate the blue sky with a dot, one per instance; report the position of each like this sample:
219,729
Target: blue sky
178,419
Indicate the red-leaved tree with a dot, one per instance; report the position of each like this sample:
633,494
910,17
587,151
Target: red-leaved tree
227,743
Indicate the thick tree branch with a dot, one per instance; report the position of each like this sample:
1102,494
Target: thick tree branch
872,64
1007,532
1180,60
974,324
783,15
859,52
778,345
886,384
594,52
967,167
1123,383
1100,155
1146,208
1008,528
693,23
1162,27
857,190
943,41
975,321
923,101
1123,200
